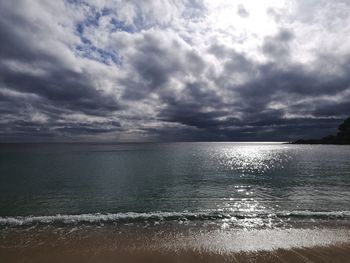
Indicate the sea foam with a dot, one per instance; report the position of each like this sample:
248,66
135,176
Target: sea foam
166,216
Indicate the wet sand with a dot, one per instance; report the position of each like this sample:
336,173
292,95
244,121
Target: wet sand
79,253
130,244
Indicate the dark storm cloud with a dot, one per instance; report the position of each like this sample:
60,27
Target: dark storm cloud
63,88
190,108
190,117
90,129
333,109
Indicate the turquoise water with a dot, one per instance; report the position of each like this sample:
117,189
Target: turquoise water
239,184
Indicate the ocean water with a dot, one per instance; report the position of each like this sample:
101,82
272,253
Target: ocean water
230,185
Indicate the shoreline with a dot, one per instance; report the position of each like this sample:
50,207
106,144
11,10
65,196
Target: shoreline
180,243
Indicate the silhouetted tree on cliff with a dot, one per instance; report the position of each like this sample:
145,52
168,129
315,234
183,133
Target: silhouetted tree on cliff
344,129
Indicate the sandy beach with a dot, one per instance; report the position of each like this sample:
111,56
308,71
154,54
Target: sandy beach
335,254
166,244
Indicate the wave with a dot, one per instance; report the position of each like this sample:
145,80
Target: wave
133,217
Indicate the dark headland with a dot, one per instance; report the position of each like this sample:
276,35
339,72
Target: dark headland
342,137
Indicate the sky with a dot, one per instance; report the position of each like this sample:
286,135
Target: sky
173,70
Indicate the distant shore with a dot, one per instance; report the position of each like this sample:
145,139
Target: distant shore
319,141
341,138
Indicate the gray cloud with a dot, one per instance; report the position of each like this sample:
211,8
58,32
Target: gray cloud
242,12
278,46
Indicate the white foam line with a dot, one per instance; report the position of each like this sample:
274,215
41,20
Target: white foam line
92,218
95,218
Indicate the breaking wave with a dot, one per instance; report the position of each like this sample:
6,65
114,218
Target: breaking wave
134,217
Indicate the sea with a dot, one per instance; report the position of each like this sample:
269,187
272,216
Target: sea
224,196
